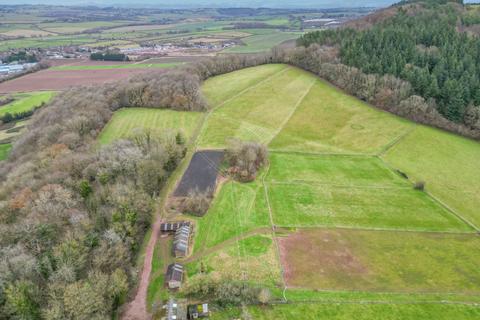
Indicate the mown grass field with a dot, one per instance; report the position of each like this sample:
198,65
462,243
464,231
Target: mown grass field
348,311
353,236
381,261
4,150
253,259
244,116
449,165
126,122
26,102
330,121
236,210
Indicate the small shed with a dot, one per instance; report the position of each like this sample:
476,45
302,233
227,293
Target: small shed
172,227
174,276
197,311
181,241
172,309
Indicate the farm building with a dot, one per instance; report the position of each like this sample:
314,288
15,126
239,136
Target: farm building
196,311
172,308
172,227
181,241
174,276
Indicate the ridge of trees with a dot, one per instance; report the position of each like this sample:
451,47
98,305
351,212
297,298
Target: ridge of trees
423,48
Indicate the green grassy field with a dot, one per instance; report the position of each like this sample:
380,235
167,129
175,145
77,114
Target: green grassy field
351,232
125,122
447,163
118,66
262,42
4,150
381,261
331,121
253,259
237,209
233,83
348,311
258,113
304,205
26,102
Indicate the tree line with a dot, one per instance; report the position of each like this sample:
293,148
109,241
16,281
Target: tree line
425,49
73,215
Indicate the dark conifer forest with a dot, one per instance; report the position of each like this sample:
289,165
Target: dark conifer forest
427,44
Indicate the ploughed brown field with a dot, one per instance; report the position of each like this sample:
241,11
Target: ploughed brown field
63,79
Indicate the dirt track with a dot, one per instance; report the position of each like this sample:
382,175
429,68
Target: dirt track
63,79
137,309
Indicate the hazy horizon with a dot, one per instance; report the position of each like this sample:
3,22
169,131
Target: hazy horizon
316,4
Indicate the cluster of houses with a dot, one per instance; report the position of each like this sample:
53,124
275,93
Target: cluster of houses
182,233
8,69
179,311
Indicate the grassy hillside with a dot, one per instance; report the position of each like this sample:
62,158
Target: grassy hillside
126,121
26,102
335,217
447,163
309,311
4,149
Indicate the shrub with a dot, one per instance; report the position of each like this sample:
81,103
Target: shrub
245,159
225,292
419,185
196,203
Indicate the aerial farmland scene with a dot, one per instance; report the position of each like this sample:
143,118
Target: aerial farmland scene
238,160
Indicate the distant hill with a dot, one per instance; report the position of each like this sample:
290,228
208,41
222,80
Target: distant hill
213,3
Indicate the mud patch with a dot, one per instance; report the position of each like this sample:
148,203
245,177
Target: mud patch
201,173
310,257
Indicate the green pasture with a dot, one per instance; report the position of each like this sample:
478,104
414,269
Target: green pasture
259,113
236,210
358,311
330,121
126,121
383,261
4,150
219,89
26,101
336,170
252,259
340,175
309,205
449,165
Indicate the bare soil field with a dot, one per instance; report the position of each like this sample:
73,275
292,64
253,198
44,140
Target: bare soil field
63,62
201,173
380,261
174,59
57,80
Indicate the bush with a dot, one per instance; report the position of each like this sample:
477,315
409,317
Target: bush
419,185
225,292
245,159
196,203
